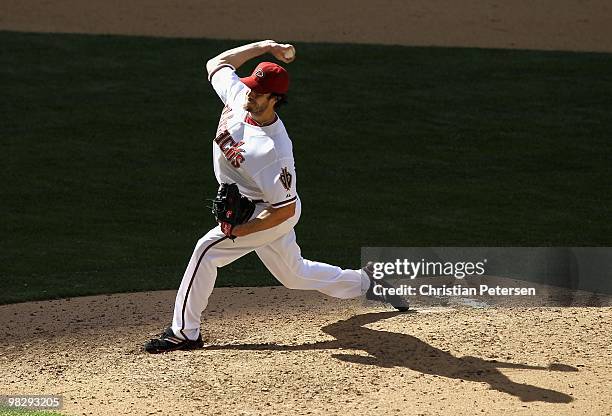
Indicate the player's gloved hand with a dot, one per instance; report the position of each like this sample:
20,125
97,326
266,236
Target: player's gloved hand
230,208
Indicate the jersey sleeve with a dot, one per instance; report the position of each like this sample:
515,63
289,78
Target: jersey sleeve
277,181
227,85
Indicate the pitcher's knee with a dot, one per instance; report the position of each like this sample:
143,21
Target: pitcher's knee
299,267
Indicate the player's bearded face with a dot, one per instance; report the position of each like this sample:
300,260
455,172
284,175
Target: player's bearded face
256,103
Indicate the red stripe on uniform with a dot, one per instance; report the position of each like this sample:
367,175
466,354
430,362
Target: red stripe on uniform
191,283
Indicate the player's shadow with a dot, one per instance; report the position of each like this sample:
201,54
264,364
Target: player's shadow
391,349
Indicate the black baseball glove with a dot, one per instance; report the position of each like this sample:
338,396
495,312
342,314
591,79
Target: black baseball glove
230,208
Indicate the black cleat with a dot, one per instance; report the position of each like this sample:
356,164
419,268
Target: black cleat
397,301
167,342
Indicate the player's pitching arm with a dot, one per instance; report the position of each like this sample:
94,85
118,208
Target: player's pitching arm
238,56
268,218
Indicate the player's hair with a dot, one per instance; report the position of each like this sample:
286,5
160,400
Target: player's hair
281,100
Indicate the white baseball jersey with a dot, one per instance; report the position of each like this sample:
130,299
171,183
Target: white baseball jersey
259,159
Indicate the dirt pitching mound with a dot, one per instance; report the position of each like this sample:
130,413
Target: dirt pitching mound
272,351
546,24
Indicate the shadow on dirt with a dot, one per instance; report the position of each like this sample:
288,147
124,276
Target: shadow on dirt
392,349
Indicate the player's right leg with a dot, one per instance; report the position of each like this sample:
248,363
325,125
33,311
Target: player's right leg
284,260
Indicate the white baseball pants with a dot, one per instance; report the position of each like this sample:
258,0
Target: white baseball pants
278,250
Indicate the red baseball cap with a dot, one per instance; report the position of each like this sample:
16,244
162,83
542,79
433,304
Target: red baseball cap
267,78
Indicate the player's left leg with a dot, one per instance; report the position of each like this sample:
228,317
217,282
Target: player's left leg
211,252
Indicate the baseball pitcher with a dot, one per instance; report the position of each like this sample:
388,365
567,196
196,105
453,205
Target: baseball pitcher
257,204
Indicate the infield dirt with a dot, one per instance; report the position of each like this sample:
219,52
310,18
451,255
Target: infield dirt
271,351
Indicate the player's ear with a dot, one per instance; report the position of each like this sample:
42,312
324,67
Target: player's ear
273,99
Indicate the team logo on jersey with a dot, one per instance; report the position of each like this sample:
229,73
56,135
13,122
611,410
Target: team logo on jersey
230,149
285,178
259,73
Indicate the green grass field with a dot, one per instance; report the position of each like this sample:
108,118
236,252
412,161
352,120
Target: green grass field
106,155
8,411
